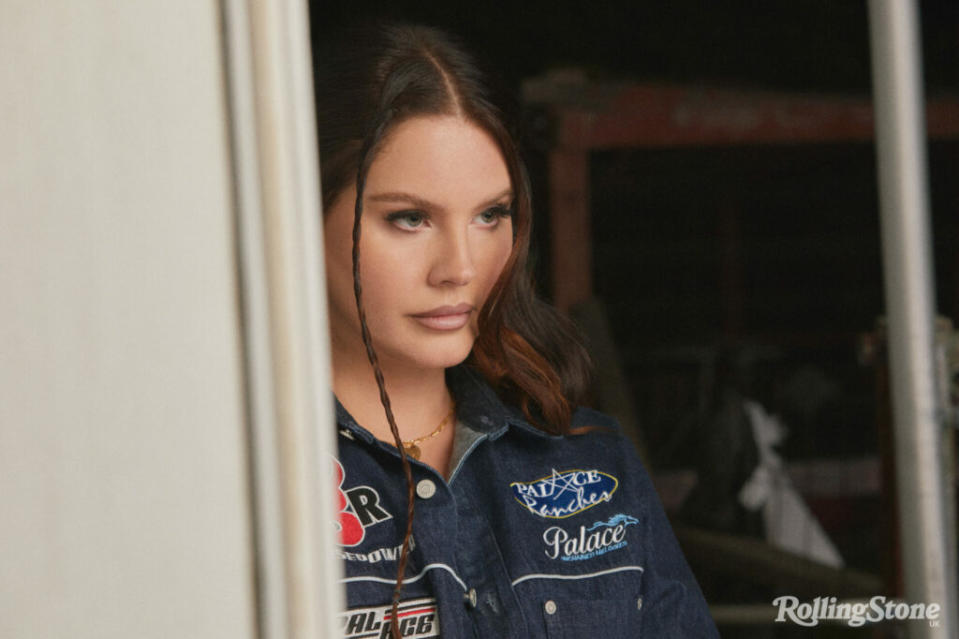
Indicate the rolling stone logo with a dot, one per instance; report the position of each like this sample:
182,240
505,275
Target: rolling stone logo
357,507
417,620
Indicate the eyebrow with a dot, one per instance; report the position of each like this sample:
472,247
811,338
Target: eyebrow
422,203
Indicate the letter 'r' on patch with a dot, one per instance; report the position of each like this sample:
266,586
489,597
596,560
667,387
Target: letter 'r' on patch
565,493
357,508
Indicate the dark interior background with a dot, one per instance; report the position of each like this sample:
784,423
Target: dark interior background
788,44
806,219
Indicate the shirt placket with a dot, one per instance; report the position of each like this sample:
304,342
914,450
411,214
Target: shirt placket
491,602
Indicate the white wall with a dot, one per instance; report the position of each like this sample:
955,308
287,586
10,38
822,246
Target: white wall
123,481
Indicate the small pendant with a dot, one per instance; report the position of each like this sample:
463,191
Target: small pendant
412,451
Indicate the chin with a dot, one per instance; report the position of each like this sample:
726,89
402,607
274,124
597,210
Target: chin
444,360
440,355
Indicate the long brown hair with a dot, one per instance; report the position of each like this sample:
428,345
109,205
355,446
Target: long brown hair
369,80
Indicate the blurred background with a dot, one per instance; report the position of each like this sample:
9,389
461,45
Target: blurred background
719,159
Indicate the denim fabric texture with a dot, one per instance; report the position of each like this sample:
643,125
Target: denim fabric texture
533,536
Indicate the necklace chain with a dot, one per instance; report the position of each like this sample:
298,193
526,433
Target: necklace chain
411,447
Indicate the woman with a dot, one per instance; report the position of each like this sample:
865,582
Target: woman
474,500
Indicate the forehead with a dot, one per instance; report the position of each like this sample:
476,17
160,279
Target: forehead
444,159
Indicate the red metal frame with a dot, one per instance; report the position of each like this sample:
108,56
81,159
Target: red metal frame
667,116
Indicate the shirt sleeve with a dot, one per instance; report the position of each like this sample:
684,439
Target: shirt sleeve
673,604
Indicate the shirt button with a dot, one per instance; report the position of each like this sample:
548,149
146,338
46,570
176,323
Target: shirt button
639,604
426,488
470,597
550,607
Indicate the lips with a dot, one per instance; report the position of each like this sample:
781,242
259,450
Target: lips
445,318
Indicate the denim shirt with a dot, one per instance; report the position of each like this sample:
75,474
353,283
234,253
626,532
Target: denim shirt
534,535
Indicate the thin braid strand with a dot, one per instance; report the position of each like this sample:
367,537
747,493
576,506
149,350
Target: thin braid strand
378,373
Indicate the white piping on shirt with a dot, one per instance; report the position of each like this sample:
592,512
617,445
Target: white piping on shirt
411,579
586,576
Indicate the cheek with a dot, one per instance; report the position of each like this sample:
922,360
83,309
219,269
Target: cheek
388,275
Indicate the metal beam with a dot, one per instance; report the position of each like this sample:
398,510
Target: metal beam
649,115
925,514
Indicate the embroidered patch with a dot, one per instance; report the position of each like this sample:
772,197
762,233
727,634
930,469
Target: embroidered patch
600,538
358,508
565,493
417,620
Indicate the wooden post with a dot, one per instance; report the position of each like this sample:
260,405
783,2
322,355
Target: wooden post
570,234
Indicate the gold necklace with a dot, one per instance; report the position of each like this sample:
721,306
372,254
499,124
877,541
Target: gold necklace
411,447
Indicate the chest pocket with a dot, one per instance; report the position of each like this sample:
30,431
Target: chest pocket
600,605
587,619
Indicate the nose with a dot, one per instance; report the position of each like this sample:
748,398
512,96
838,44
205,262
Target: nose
454,261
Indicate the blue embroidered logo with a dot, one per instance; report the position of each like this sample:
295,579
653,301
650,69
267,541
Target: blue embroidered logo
615,520
565,493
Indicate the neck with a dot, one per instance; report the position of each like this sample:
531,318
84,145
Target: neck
418,397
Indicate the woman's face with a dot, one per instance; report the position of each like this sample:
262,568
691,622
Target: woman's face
436,234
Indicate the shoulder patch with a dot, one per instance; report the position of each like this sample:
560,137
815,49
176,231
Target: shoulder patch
565,493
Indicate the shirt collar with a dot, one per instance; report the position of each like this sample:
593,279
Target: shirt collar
476,404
